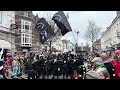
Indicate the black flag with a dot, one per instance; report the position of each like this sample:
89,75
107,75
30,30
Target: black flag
61,20
44,29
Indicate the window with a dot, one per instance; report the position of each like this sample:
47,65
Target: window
23,39
26,35
0,17
23,26
117,25
26,13
26,38
26,26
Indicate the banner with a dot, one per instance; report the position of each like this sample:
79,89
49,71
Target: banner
44,29
61,20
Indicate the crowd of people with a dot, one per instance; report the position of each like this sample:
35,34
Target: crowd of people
13,67
63,66
104,66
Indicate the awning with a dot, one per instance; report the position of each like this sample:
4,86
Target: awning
5,44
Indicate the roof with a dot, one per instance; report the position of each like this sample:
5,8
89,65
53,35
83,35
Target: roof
114,20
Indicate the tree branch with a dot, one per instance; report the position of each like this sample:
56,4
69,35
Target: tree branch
93,31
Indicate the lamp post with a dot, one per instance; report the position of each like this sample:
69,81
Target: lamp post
77,36
11,37
13,27
76,46
11,34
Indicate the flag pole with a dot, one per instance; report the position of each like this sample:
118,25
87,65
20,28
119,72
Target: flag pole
72,32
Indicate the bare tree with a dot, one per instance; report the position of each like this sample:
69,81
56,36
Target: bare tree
92,33
55,30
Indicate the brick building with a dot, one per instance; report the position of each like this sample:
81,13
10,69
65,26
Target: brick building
28,40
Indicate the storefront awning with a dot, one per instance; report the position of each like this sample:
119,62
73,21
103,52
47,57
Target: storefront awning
5,44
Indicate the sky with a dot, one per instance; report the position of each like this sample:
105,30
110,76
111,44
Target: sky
79,20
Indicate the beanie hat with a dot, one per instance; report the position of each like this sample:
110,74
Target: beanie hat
117,52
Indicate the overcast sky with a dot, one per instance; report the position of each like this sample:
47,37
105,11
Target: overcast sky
79,21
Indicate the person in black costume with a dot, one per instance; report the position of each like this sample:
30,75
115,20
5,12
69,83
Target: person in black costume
64,67
30,67
55,67
29,70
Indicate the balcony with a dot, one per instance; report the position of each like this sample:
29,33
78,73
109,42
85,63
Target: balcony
28,45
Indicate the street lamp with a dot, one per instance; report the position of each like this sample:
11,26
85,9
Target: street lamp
76,42
77,32
13,27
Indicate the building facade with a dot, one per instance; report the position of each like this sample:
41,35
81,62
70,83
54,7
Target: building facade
7,18
28,40
97,46
57,46
111,37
